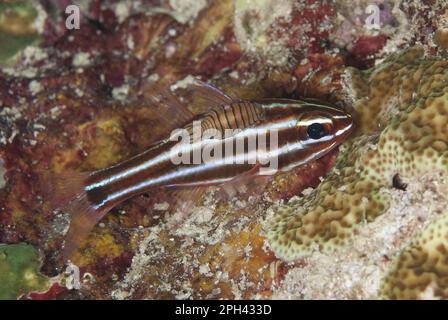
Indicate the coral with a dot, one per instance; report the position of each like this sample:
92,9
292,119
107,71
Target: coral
401,109
19,265
421,270
356,270
441,34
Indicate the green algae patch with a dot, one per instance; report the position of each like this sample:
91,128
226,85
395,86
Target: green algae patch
19,271
17,29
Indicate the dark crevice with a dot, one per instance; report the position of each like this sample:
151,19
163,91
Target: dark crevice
397,183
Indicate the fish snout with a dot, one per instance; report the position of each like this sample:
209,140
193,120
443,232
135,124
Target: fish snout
344,125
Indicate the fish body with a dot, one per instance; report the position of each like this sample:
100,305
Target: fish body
246,138
154,168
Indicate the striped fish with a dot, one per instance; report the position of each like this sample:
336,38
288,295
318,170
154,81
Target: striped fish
295,132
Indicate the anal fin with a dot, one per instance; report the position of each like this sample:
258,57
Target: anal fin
250,183
185,199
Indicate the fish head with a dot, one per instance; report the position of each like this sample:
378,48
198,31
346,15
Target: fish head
323,127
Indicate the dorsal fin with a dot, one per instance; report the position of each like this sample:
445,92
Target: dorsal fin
224,112
170,112
237,115
211,95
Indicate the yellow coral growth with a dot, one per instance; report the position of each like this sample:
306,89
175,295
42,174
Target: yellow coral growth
402,112
104,246
103,144
421,271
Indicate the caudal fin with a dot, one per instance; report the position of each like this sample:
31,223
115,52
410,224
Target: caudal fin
66,192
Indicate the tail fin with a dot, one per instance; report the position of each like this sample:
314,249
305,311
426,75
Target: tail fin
66,192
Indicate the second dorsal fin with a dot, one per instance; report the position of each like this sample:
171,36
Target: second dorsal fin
211,95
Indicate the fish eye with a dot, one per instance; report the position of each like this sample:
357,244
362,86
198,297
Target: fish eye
316,131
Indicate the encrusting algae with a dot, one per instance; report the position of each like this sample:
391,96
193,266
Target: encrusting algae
19,264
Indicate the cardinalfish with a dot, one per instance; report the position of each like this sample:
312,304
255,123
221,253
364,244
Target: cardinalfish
296,132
